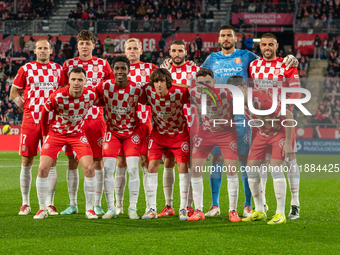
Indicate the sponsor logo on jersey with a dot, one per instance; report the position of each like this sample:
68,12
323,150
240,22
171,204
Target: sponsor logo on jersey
35,72
135,139
189,76
100,141
282,143
226,70
233,145
87,105
95,69
55,73
46,146
185,147
83,139
237,61
277,71
143,73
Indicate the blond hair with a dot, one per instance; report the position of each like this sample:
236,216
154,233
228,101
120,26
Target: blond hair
139,43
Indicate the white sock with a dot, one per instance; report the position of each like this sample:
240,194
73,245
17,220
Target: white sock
151,188
42,191
72,177
293,176
255,188
168,185
52,179
120,182
25,183
263,181
145,174
280,187
109,180
233,191
134,181
90,191
99,186
183,189
190,197
197,191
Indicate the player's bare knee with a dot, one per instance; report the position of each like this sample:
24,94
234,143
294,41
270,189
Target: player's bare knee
43,170
153,166
72,162
169,162
217,158
98,163
144,161
121,162
88,171
182,167
27,161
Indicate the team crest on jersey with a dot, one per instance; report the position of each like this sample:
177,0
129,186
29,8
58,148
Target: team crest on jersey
185,147
100,141
87,105
143,72
130,100
277,71
233,145
282,143
46,146
189,76
55,73
173,105
24,148
95,69
106,146
246,138
83,139
237,61
135,139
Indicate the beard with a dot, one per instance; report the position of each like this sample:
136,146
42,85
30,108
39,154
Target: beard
270,56
231,45
178,60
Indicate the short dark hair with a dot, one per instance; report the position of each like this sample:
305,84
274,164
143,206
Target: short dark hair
161,74
227,27
78,69
204,72
268,35
236,80
178,42
121,59
86,35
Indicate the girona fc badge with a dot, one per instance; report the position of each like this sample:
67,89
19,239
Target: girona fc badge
130,100
95,69
55,73
282,143
24,148
83,139
87,105
100,142
233,145
143,73
135,139
105,146
189,76
173,105
185,147
46,146
237,61
277,71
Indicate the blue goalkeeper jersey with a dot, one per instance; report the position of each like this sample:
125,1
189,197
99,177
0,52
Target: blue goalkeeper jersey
224,66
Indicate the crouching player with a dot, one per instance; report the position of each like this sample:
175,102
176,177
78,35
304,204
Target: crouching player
69,105
272,138
210,135
169,132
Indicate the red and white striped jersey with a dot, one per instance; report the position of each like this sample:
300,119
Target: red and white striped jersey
69,111
271,74
97,70
140,74
214,111
38,81
266,123
121,105
167,111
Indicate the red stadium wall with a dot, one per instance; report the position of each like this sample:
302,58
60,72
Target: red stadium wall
9,142
330,133
304,42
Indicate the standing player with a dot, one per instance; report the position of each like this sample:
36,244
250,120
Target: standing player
209,135
97,70
69,106
226,63
121,98
267,73
139,74
182,72
38,79
169,132
273,137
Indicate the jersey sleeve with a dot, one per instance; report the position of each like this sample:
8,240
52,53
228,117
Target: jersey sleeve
108,72
251,56
20,79
293,80
206,63
65,70
51,103
63,80
142,97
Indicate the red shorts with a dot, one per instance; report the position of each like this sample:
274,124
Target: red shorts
178,144
116,142
95,131
54,143
206,141
30,136
144,131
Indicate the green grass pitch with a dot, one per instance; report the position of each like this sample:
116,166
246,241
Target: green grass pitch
317,231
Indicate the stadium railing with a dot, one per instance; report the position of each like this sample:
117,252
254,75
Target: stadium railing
333,27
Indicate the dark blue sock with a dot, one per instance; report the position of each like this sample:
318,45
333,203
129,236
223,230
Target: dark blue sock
246,188
215,183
